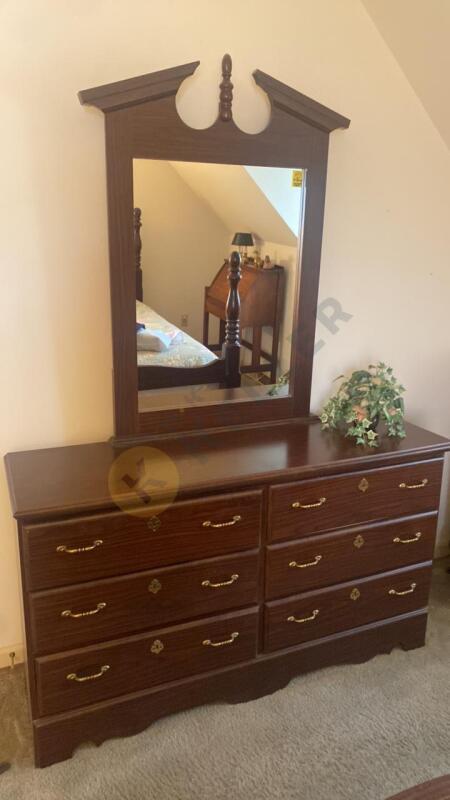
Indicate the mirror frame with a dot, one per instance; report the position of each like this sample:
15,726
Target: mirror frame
141,121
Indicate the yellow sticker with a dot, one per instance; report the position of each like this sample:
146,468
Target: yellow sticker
297,178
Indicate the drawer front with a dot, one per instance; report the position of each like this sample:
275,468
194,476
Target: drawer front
306,507
318,561
324,612
93,612
88,675
83,549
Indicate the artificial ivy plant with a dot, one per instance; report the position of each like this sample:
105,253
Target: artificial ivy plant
367,397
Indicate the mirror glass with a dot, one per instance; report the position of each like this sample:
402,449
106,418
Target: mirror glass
188,219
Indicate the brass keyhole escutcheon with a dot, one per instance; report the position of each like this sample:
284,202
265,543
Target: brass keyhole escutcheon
154,523
358,541
154,586
157,647
363,485
355,594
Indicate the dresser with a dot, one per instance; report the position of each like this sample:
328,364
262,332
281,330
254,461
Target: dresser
217,546
284,550
261,294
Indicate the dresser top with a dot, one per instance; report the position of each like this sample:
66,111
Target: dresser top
63,480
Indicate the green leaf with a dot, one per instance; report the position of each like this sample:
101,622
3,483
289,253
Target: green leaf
361,375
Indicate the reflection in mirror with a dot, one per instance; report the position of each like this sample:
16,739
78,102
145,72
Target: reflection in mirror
188,218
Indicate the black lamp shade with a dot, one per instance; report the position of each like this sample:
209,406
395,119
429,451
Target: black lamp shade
243,239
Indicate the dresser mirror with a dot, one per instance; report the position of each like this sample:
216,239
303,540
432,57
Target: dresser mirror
188,219
191,212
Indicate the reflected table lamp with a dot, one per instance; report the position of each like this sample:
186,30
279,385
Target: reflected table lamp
243,240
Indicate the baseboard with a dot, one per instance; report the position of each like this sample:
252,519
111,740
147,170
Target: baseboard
5,659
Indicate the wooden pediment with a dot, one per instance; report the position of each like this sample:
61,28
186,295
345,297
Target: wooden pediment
166,82
133,91
299,105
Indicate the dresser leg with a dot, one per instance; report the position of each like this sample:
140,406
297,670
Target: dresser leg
50,749
415,635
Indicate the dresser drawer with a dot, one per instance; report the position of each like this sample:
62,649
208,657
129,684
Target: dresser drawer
326,611
317,561
306,507
85,676
93,612
87,548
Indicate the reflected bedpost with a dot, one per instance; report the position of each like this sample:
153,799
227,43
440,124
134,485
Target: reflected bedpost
232,345
137,224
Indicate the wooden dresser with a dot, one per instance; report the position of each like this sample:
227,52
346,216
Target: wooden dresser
286,549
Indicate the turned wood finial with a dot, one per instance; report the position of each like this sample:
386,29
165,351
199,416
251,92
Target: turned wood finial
226,91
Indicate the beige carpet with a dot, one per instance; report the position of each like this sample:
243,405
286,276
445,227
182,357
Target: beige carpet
360,732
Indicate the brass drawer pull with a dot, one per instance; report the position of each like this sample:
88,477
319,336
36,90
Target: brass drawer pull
209,643
319,503
308,564
413,485
407,591
68,613
74,677
233,578
305,619
415,538
209,524
62,548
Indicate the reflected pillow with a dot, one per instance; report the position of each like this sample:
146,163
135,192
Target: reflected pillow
153,339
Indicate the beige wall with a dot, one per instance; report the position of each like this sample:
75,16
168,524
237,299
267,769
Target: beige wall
176,268
387,237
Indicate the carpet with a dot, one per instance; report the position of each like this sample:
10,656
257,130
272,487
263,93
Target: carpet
356,732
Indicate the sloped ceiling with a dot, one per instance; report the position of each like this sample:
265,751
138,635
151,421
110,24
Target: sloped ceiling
236,199
418,34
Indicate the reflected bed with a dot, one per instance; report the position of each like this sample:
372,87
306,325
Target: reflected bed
184,351
186,362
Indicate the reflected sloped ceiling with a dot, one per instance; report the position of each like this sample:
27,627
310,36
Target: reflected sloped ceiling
237,200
